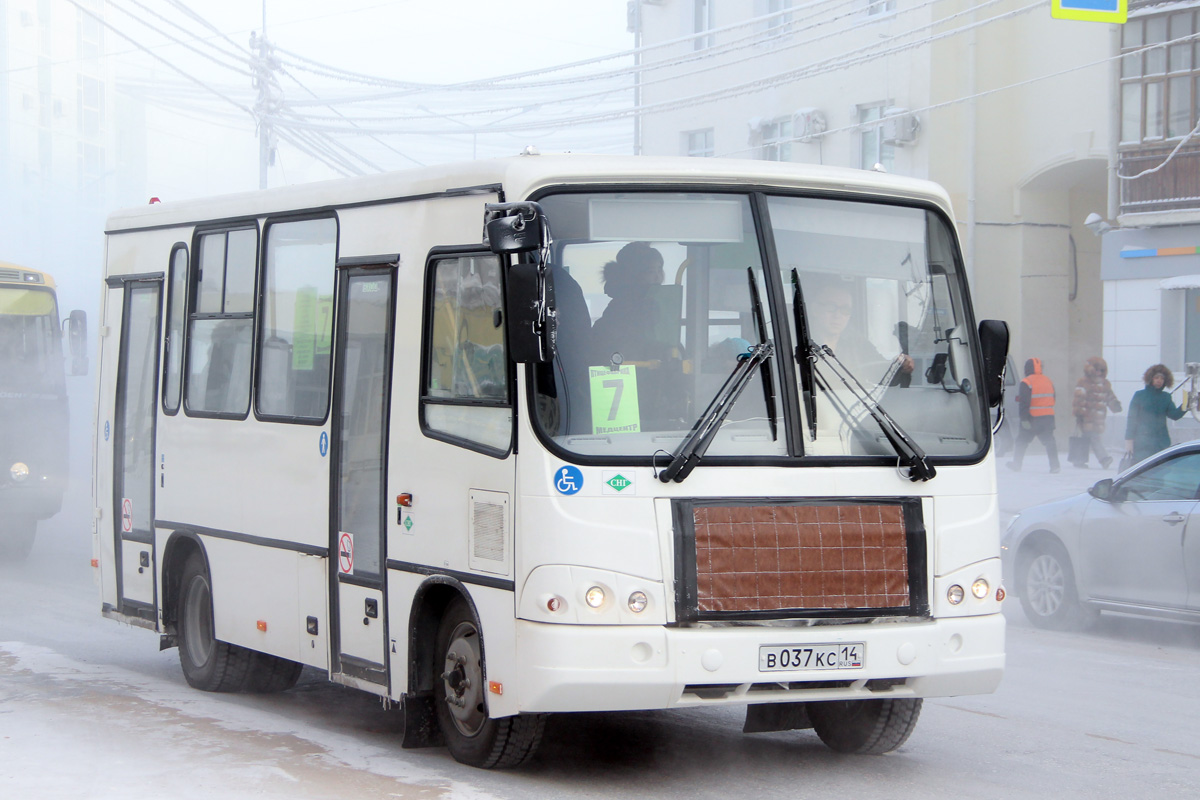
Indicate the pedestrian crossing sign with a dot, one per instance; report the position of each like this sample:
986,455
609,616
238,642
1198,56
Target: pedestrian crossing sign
1091,10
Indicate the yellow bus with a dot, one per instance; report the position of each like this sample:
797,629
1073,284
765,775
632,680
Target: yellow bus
33,403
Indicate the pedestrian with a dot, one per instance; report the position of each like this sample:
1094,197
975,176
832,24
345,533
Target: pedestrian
1146,425
1035,402
1094,398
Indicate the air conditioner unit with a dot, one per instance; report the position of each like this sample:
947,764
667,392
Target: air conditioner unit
899,126
809,123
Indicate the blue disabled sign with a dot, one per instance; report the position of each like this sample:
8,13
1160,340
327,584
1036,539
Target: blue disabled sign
568,480
1091,10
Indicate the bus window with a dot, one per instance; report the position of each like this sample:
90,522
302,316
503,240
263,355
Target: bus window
176,314
465,393
221,324
297,319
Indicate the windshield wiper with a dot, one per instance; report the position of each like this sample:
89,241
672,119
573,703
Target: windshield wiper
768,384
701,436
911,454
803,356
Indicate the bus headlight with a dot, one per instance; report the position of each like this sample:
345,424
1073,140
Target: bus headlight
955,594
980,588
638,602
19,472
594,597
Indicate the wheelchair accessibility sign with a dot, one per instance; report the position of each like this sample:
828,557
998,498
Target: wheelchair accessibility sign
568,480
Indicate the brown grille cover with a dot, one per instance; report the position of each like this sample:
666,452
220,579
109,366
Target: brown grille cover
774,557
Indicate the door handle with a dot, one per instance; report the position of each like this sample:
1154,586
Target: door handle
371,608
1174,519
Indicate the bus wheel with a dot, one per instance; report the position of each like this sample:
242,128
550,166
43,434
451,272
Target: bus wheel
273,674
208,664
16,538
871,727
460,702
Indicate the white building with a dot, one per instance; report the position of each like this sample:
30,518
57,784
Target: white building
1006,107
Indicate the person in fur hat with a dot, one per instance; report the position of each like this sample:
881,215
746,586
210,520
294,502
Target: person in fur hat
1093,399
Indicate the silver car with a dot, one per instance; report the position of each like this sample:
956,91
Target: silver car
1130,544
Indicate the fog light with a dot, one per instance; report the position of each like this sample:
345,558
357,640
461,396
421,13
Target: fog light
980,588
19,472
594,597
637,602
955,594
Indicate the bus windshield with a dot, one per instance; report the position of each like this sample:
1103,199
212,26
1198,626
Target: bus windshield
30,352
655,309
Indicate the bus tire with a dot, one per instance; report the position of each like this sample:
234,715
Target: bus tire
460,700
16,538
208,664
273,674
868,727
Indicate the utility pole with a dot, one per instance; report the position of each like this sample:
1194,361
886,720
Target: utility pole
268,100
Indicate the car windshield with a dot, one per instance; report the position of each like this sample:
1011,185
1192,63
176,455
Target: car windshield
655,308
30,353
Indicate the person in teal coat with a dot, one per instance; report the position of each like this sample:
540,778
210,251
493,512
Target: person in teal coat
1146,426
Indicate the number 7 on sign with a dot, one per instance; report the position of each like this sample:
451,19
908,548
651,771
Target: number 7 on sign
614,400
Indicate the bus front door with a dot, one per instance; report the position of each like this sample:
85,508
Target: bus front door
133,447
361,394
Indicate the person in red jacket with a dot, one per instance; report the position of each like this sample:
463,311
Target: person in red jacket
1035,401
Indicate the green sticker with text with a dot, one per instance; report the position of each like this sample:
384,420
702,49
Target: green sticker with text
614,400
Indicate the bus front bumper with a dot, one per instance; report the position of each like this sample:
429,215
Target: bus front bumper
624,668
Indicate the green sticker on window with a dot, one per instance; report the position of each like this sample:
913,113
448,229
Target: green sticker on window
614,400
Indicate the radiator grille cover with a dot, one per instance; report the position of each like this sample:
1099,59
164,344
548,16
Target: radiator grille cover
773,559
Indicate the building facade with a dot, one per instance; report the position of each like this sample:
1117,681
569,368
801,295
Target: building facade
1006,107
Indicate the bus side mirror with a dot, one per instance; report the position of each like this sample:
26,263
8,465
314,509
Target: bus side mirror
993,339
532,320
77,342
513,227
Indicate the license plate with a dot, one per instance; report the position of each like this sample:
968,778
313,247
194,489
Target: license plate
792,657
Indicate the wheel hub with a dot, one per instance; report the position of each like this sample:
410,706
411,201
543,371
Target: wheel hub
462,677
1046,585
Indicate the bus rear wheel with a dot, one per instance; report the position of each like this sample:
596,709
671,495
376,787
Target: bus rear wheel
208,664
869,727
16,538
460,702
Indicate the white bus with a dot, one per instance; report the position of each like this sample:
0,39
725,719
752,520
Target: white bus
553,434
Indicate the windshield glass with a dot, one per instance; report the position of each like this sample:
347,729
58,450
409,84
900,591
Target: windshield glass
30,353
881,290
654,309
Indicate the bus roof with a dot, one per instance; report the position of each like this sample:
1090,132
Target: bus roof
14,273
519,176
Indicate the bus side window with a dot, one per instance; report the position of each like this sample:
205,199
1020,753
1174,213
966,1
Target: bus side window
465,391
221,323
176,316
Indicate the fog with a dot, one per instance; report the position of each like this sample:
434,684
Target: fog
364,86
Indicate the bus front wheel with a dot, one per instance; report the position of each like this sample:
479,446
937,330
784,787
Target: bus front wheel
208,664
460,700
870,727
16,538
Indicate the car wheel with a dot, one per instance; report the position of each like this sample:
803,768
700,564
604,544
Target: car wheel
460,702
16,539
1047,585
868,727
208,664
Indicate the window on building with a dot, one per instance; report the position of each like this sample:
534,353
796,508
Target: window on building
699,144
777,140
702,20
778,21
465,397
297,319
1160,81
221,323
90,105
877,7
875,150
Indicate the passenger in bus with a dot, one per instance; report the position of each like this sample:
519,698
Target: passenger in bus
573,348
830,306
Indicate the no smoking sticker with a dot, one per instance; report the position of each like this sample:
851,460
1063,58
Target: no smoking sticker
345,553
126,515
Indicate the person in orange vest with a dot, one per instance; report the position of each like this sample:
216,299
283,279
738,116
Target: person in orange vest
1035,401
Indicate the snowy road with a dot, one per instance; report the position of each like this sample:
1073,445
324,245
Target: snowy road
92,709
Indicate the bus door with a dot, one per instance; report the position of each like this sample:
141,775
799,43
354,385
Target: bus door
361,396
134,446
